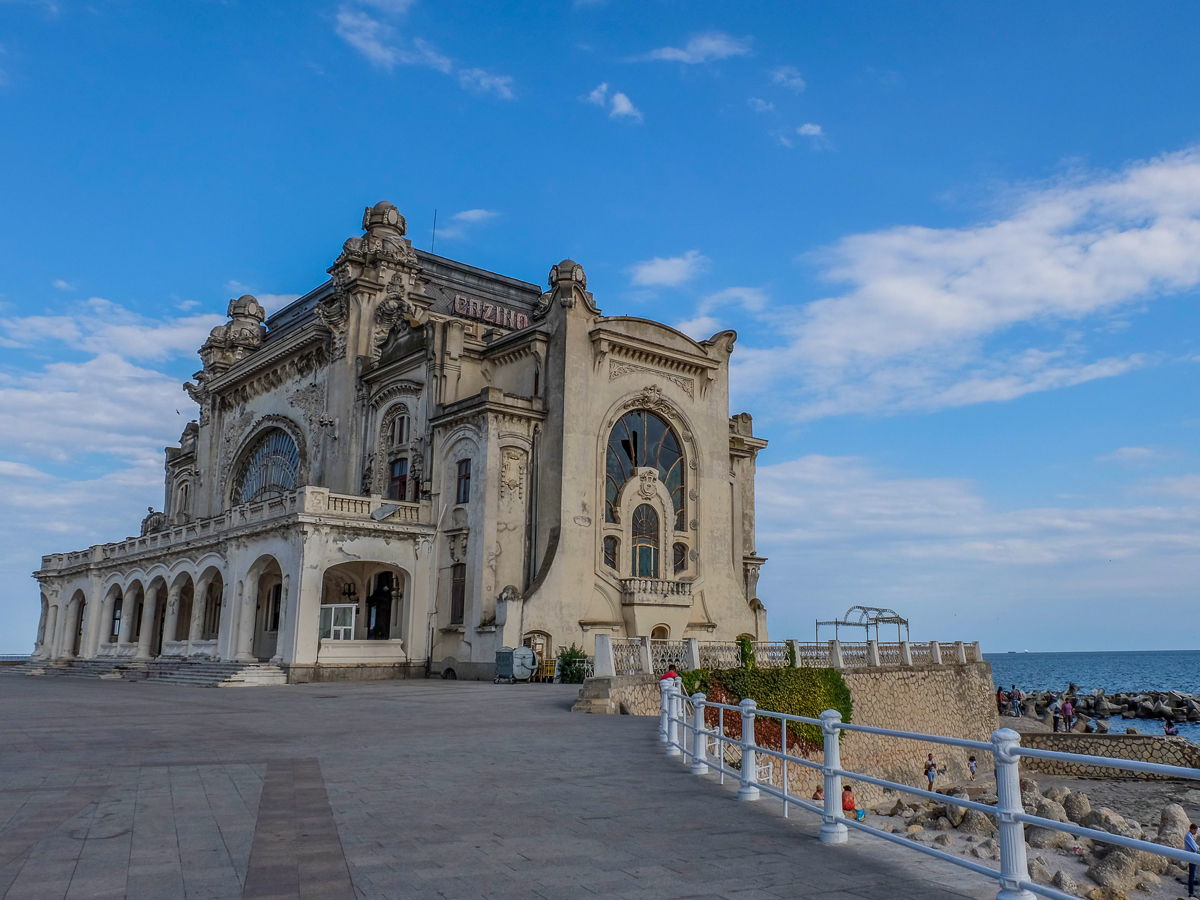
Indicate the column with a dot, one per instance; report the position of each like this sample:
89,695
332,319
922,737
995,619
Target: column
129,605
104,625
50,637
199,610
247,611
149,610
604,667
39,647
171,619
68,625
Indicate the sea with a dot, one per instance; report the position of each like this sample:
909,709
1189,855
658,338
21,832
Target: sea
1131,670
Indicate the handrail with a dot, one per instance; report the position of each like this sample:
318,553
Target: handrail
1009,812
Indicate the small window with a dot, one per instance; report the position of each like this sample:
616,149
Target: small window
660,633
337,621
398,481
537,381
274,602
116,620
611,548
463,495
458,593
399,431
680,558
645,542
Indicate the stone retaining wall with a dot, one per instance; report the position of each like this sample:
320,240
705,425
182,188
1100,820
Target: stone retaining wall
1170,751
954,700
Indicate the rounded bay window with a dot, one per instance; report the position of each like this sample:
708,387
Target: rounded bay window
639,440
269,468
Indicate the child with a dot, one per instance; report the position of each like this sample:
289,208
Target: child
850,805
971,765
819,794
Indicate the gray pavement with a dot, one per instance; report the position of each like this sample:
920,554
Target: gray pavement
422,789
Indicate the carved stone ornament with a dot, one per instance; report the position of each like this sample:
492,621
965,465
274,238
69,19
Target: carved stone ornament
334,312
651,398
568,284
236,339
693,495
619,369
311,401
393,312
648,483
512,474
154,522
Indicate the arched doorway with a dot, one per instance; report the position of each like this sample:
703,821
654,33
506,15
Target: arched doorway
268,611
78,605
363,601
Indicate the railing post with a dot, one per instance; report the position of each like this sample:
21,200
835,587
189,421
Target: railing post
976,656
605,665
935,652
835,654
699,736
664,686
673,708
691,654
905,654
749,788
1014,867
795,645
647,658
960,651
833,829
873,653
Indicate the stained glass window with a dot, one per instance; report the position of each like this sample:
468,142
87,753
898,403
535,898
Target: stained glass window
642,439
645,542
271,468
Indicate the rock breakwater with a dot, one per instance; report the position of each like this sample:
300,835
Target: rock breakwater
1093,711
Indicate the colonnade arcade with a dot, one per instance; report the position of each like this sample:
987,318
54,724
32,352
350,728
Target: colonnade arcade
192,611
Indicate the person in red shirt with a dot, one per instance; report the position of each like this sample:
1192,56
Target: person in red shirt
671,673
850,805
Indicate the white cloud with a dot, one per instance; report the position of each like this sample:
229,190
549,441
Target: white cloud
789,77
462,222
810,130
714,310
957,566
623,108
1129,455
759,105
391,7
63,286
599,95
928,317
702,48
475,215
670,271
486,83
370,37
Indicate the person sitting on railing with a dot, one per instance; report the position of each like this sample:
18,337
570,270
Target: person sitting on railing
850,805
670,673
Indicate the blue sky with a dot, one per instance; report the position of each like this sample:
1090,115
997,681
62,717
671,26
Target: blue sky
960,244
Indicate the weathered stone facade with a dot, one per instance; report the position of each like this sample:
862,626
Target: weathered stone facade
1169,751
419,462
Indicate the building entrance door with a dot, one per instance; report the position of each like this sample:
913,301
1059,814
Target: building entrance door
379,609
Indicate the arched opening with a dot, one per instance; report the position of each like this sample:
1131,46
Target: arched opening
612,551
79,602
680,553
115,603
644,534
131,615
642,439
155,618
184,609
210,621
660,633
539,642
269,468
268,609
362,601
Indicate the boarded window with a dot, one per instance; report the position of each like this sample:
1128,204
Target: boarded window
611,548
463,494
458,593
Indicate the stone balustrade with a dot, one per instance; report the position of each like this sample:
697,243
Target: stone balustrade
307,501
655,592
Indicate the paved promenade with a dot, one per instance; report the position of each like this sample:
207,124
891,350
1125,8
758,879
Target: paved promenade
423,789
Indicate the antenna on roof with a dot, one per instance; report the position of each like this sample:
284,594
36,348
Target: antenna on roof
433,240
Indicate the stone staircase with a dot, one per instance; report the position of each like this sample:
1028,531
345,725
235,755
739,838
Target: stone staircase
200,673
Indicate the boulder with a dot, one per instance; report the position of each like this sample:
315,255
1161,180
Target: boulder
1040,874
1106,893
1047,838
1101,726
890,805
955,813
1077,806
1192,797
1056,794
942,824
975,822
1148,881
1029,786
988,849
1118,871
1064,882
1173,824
1048,809
1131,730
944,840
914,829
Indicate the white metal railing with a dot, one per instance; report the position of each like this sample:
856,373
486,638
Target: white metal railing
682,727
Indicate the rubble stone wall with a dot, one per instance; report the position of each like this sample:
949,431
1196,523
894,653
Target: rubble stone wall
1170,751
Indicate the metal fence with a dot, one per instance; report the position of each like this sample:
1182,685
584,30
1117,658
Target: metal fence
666,655
683,729
627,656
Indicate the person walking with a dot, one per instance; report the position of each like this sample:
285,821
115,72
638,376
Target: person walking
1068,713
1000,699
930,770
1015,697
972,765
1190,845
1056,708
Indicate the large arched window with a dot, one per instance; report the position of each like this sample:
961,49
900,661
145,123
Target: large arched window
640,439
645,542
271,467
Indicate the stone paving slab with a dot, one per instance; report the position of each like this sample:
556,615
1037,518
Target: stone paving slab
406,789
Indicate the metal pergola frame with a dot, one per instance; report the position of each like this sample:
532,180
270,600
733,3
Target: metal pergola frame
867,617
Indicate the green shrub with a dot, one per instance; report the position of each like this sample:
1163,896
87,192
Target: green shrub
746,652
791,654
798,692
571,665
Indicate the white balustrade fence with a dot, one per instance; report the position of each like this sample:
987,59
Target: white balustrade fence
683,729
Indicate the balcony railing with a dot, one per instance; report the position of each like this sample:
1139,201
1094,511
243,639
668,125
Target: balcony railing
310,501
656,592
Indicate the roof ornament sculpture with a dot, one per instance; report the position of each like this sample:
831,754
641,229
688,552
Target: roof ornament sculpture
568,284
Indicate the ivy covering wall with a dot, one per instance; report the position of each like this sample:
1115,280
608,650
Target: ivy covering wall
799,692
